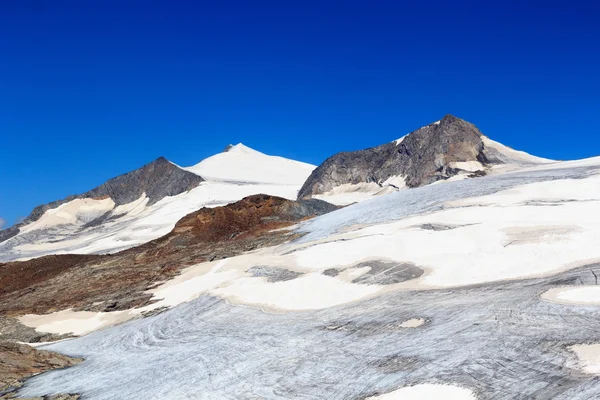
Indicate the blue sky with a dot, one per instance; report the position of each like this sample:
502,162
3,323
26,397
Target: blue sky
92,89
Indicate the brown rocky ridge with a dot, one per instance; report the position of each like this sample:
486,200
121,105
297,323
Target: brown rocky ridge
119,281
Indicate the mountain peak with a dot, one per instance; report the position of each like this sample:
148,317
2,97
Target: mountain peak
239,148
449,118
160,160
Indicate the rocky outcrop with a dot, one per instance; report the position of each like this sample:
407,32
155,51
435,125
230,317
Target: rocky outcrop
157,180
119,281
19,361
424,156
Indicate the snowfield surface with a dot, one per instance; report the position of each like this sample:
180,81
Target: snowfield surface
427,391
243,164
445,290
65,229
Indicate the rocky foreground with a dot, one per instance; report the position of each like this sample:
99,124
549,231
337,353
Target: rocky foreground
20,361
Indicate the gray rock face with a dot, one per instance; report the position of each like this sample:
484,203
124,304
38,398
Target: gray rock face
422,157
158,179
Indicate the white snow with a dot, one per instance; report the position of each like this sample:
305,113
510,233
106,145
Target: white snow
584,295
311,291
397,181
352,193
349,193
528,230
493,242
75,322
588,356
78,211
398,141
412,323
512,155
243,164
428,391
470,166
232,175
191,283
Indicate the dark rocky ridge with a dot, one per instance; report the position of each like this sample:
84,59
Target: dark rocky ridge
158,179
423,157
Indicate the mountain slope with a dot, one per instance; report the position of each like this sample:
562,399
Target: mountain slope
145,204
153,181
120,281
505,265
441,150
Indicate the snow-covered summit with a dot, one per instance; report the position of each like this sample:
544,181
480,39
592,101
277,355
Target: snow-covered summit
126,216
241,163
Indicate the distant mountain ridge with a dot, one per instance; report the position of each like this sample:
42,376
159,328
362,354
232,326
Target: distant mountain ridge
144,204
157,179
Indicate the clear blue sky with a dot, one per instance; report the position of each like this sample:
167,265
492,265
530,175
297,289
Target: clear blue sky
91,89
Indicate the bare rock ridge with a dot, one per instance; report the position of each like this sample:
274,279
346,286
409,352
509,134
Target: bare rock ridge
422,157
158,179
19,361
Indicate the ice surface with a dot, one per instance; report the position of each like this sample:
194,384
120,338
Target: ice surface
239,336
401,204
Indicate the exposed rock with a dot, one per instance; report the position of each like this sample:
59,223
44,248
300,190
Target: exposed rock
331,272
273,274
119,281
157,180
387,273
11,328
422,157
19,361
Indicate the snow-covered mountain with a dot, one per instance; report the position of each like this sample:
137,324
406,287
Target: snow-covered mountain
455,288
447,149
476,288
240,163
145,204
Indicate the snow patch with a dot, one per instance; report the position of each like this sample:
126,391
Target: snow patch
509,155
412,323
75,322
588,356
349,193
398,141
428,391
470,166
584,295
397,181
312,291
78,211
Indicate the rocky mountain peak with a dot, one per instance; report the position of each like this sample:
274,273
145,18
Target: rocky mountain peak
434,152
160,160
